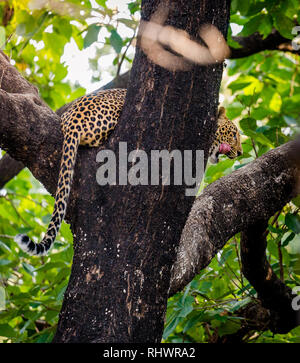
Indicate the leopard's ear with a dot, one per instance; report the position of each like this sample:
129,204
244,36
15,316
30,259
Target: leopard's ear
222,112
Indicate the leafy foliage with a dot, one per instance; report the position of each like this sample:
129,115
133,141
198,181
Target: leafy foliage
261,93
34,289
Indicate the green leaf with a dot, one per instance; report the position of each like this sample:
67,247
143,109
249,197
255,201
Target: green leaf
294,245
292,221
55,44
252,25
28,268
234,6
275,230
243,6
78,38
292,103
238,85
205,287
245,288
192,321
132,24
248,124
186,307
2,298
259,138
134,6
284,25
116,41
266,26
285,241
2,37
62,27
61,72
4,262
171,326
230,327
61,293
296,201
225,256
276,102
102,3
91,35
239,304
21,29
4,247
7,331
45,337
249,84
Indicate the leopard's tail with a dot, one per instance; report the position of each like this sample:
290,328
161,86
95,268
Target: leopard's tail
70,147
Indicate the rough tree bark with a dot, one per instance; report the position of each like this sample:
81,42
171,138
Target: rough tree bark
233,204
255,43
120,277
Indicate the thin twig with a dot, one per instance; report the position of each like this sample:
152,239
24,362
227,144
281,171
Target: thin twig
124,54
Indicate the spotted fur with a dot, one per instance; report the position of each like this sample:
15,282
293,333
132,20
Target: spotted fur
227,133
89,121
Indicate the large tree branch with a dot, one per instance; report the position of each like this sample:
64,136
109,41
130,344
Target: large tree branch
255,318
273,293
232,204
29,129
255,43
273,308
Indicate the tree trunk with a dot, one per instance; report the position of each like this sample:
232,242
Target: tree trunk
125,237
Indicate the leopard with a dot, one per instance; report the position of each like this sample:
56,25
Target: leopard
227,139
89,121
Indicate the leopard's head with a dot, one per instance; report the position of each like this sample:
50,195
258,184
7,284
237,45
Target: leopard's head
227,139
